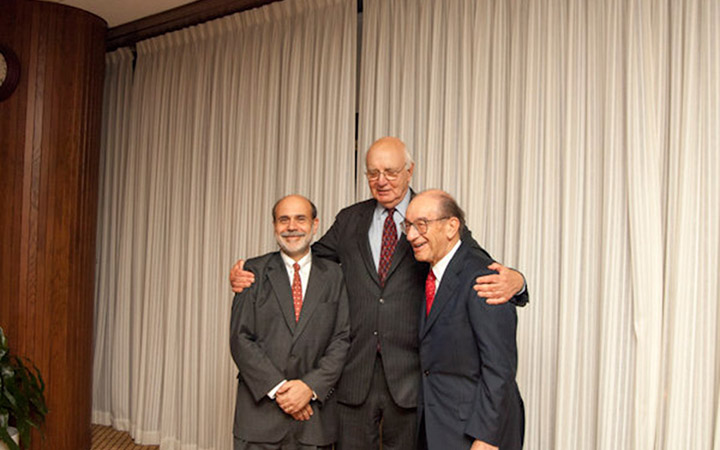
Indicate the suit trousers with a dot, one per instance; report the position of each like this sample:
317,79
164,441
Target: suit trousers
378,419
286,444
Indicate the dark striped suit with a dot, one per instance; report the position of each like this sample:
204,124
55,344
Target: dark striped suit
378,315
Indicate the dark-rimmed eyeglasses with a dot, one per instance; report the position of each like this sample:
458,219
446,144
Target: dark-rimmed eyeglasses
421,225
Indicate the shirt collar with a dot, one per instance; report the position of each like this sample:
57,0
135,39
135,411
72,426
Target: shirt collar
289,262
400,207
439,268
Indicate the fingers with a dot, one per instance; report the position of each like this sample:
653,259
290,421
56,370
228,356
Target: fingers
239,264
304,414
284,388
240,279
497,266
488,279
491,288
496,301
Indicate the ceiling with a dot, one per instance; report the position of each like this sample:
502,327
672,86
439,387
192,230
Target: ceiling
118,12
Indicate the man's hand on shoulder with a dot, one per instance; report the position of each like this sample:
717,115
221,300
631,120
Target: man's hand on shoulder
480,445
240,279
293,396
501,287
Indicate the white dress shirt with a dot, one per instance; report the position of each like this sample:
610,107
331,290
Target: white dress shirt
439,268
305,265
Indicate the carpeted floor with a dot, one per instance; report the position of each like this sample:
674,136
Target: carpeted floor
107,438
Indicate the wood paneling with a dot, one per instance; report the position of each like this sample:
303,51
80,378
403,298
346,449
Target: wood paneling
49,154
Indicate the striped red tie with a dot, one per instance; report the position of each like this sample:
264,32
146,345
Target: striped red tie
389,239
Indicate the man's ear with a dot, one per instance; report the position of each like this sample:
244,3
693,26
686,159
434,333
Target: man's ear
316,223
453,227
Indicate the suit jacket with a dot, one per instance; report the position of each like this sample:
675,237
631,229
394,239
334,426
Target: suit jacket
468,355
268,346
386,315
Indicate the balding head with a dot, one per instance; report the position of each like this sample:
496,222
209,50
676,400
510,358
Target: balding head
295,222
389,170
432,225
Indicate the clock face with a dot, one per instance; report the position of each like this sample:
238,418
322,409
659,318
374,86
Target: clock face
9,72
3,69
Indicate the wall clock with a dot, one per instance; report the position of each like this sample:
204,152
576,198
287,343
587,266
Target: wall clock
9,72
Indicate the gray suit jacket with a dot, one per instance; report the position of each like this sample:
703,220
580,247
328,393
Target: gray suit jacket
468,355
269,346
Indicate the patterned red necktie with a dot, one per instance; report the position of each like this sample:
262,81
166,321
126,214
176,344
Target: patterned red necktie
389,239
297,291
429,291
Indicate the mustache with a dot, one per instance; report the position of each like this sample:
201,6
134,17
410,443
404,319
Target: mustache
292,234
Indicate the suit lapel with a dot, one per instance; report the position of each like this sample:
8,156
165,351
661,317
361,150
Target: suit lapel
278,276
313,294
402,248
446,290
361,237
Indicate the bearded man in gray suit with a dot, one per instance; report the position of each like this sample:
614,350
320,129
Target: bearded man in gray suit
378,390
289,336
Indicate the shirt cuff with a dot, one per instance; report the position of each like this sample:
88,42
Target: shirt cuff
524,288
274,390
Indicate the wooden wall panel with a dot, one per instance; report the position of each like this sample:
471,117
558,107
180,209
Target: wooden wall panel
49,154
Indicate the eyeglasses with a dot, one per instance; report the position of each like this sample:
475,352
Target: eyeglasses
390,174
421,225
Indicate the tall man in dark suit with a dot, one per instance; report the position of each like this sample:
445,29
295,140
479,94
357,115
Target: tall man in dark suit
289,337
468,354
377,393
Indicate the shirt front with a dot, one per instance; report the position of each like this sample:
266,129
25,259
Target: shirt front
305,265
439,268
378,222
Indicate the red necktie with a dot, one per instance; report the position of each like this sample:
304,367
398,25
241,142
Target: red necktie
297,291
429,291
389,239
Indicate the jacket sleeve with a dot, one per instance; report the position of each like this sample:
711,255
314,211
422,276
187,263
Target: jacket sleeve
520,299
328,245
325,375
494,328
256,370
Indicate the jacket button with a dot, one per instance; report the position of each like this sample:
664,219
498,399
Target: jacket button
382,301
427,372
375,333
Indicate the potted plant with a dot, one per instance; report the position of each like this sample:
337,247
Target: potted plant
22,398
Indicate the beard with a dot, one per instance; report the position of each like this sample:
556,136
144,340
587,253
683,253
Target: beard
295,248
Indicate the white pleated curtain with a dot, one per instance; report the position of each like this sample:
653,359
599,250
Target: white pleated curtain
583,141
214,124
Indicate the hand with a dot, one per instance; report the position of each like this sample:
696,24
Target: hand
240,279
304,414
480,445
293,396
500,288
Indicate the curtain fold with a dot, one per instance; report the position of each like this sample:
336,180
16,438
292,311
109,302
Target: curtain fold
218,121
582,140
